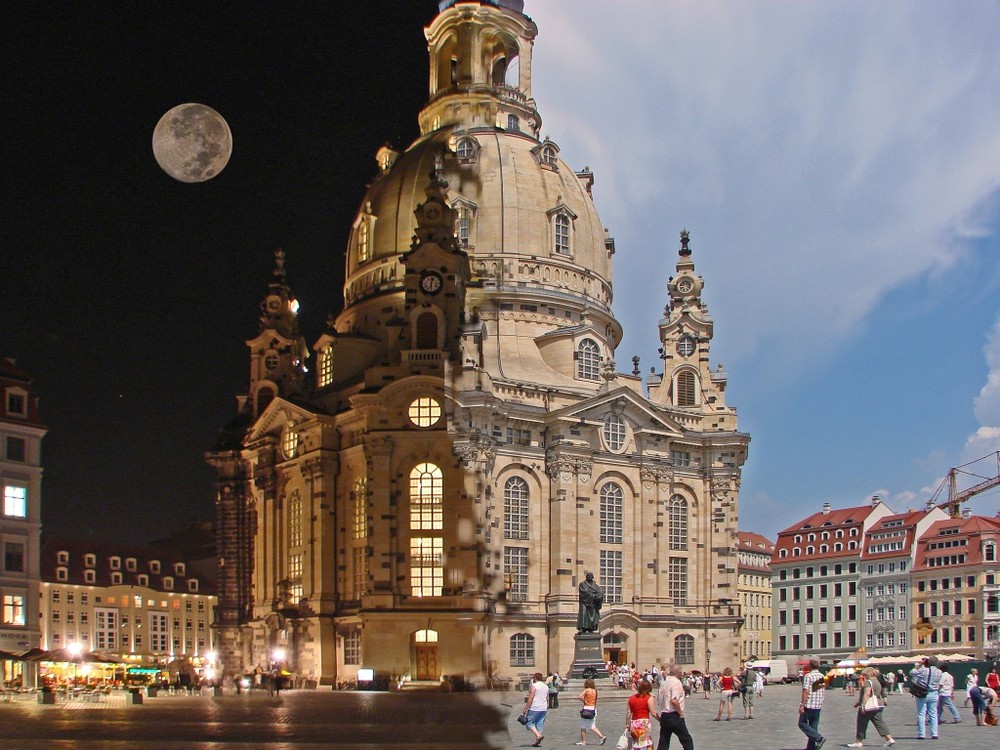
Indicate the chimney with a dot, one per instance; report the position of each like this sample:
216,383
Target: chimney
966,513
827,508
876,500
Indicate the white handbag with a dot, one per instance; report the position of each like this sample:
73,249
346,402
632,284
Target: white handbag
872,704
623,741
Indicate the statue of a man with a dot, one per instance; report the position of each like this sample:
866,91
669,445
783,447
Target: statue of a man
588,619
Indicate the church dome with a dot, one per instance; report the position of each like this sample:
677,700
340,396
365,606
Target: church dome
525,218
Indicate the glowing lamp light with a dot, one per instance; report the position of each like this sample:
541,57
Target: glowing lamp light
211,656
75,649
293,305
366,675
279,654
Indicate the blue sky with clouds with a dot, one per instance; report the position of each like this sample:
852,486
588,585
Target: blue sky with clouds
838,165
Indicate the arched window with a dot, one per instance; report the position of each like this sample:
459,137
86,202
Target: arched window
686,388
678,518
515,508
462,230
615,432
562,234
548,155
363,241
464,149
427,331
588,360
684,649
426,487
522,650
611,513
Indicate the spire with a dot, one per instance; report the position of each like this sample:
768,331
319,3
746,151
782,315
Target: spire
279,308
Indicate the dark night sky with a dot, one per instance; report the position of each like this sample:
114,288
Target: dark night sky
128,295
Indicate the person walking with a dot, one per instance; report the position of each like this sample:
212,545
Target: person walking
706,684
810,705
641,707
588,714
727,689
870,710
993,680
945,693
535,706
900,680
748,689
926,679
671,706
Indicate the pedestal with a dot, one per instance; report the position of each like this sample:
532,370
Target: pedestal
588,658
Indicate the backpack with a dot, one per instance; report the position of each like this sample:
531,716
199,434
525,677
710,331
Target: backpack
747,681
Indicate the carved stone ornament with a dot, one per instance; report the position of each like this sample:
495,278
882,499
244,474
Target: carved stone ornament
723,485
653,475
562,468
378,446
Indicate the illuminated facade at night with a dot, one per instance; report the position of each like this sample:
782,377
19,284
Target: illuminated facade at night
426,502
21,433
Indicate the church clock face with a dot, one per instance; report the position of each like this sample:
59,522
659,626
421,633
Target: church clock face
686,345
431,282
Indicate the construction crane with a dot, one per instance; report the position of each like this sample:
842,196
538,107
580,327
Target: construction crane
955,498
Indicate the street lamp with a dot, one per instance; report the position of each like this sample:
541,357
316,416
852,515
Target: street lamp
75,649
708,660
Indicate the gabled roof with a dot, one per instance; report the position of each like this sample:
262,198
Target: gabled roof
957,543
627,401
78,549
278,413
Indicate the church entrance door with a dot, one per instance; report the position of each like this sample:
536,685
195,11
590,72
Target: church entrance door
425,652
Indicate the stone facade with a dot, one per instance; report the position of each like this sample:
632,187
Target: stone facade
468,450
21,433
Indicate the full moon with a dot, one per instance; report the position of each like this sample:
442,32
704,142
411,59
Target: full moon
192,143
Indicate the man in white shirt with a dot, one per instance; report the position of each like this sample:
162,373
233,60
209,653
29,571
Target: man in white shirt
670,704
946,690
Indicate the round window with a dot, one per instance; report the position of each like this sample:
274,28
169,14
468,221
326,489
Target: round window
425,412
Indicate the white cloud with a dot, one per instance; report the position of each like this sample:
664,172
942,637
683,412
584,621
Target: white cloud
821,153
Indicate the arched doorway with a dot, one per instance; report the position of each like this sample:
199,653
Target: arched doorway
615,648
425,655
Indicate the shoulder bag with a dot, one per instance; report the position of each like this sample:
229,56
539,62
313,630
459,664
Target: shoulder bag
588,713
920,691
871,705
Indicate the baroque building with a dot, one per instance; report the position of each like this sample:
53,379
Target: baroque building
754,587
21,433
468,449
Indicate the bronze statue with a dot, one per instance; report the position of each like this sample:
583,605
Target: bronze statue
588,619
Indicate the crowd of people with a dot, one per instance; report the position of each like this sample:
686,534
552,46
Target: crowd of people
659,697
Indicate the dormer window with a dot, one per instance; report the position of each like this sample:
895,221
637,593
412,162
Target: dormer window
116,579
154,567
89,576
62,574
465,216
62,558
143,579
588,360
89,560
562,234
325,366
115,562
179,569
168,583
17,402
193,585
466,149
130,564
548,155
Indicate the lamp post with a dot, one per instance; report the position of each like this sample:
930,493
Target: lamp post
708,660
74,649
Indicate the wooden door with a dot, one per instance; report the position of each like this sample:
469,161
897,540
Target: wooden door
427,661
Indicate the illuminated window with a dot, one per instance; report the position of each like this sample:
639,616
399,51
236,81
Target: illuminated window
515,573
522,650
295,589
295,519
363,241
678,518
426,636
13,609
359,498
426,566
325,367
515,508
425,412
290,441
158,632
562,234
15,501
611,514
685,395
426,487
588,360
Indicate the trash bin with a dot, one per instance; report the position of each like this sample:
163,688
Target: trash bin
136,695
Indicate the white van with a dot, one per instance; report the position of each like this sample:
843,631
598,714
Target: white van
774,670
